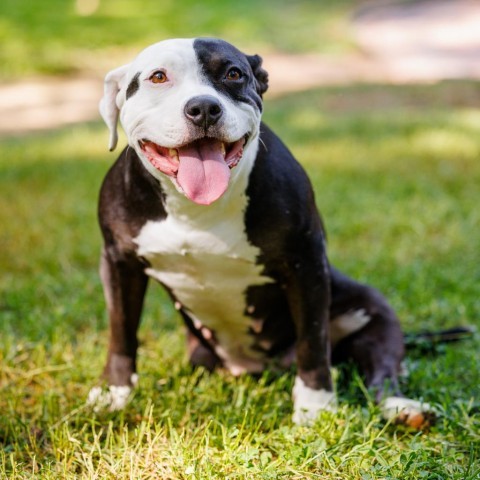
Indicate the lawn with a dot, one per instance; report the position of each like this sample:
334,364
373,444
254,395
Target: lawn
396,172
397,183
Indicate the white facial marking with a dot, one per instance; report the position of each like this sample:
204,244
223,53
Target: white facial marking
217,266
155,112
392,407
346,324
308,403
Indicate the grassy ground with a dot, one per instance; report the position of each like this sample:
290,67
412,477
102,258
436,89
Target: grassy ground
396,174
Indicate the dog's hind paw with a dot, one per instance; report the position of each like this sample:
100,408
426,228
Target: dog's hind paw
412,413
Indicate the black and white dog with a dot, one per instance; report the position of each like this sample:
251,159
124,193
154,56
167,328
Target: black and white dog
209,202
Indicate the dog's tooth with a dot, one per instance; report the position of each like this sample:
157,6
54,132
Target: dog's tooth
224,151
173,153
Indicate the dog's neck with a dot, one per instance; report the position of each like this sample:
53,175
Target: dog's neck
229,205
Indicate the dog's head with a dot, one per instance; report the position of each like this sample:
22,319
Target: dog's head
189,108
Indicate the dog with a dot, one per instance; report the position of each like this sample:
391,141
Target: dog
209,202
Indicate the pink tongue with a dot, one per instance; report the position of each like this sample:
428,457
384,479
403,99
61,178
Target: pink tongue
203,173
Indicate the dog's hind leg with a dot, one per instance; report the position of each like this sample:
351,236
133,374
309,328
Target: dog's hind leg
365,330
200,355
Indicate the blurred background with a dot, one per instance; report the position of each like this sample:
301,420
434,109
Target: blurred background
55,53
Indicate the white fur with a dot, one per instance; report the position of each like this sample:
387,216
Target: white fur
156,111
308,403
393,406
113,399
346,324
203,256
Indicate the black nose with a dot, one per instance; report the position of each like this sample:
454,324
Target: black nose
204,110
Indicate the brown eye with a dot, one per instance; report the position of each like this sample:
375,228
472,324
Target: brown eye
234,74
158,77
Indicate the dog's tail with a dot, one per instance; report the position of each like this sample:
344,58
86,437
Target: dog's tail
428,341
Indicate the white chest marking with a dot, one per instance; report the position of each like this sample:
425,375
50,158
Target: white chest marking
203,256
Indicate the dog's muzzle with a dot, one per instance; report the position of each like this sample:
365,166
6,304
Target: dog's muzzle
201,168
203,111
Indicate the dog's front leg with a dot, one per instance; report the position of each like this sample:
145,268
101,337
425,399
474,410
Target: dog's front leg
124,285
309,298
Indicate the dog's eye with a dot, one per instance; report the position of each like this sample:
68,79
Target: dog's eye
158,77
234,74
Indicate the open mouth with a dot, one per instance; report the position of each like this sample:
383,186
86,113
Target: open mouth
201,168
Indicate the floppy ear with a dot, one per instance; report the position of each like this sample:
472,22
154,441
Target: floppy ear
261,75
108,104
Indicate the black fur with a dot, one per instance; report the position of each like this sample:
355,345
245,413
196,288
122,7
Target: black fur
217,58
283,222
133,86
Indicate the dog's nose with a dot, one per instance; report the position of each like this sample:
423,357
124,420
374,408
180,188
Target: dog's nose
204,110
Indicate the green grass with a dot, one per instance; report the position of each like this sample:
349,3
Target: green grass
396,172
50,37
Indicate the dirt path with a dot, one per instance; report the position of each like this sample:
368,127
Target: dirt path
412,42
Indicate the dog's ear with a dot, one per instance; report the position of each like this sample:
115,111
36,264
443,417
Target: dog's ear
109,107
261,75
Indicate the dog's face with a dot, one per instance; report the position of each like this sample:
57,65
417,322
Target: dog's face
189,107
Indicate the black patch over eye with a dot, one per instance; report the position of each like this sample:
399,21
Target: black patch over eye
234,74
158,77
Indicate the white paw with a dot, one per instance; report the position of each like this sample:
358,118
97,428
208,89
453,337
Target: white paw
111,399
408,412
115,398
308,403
